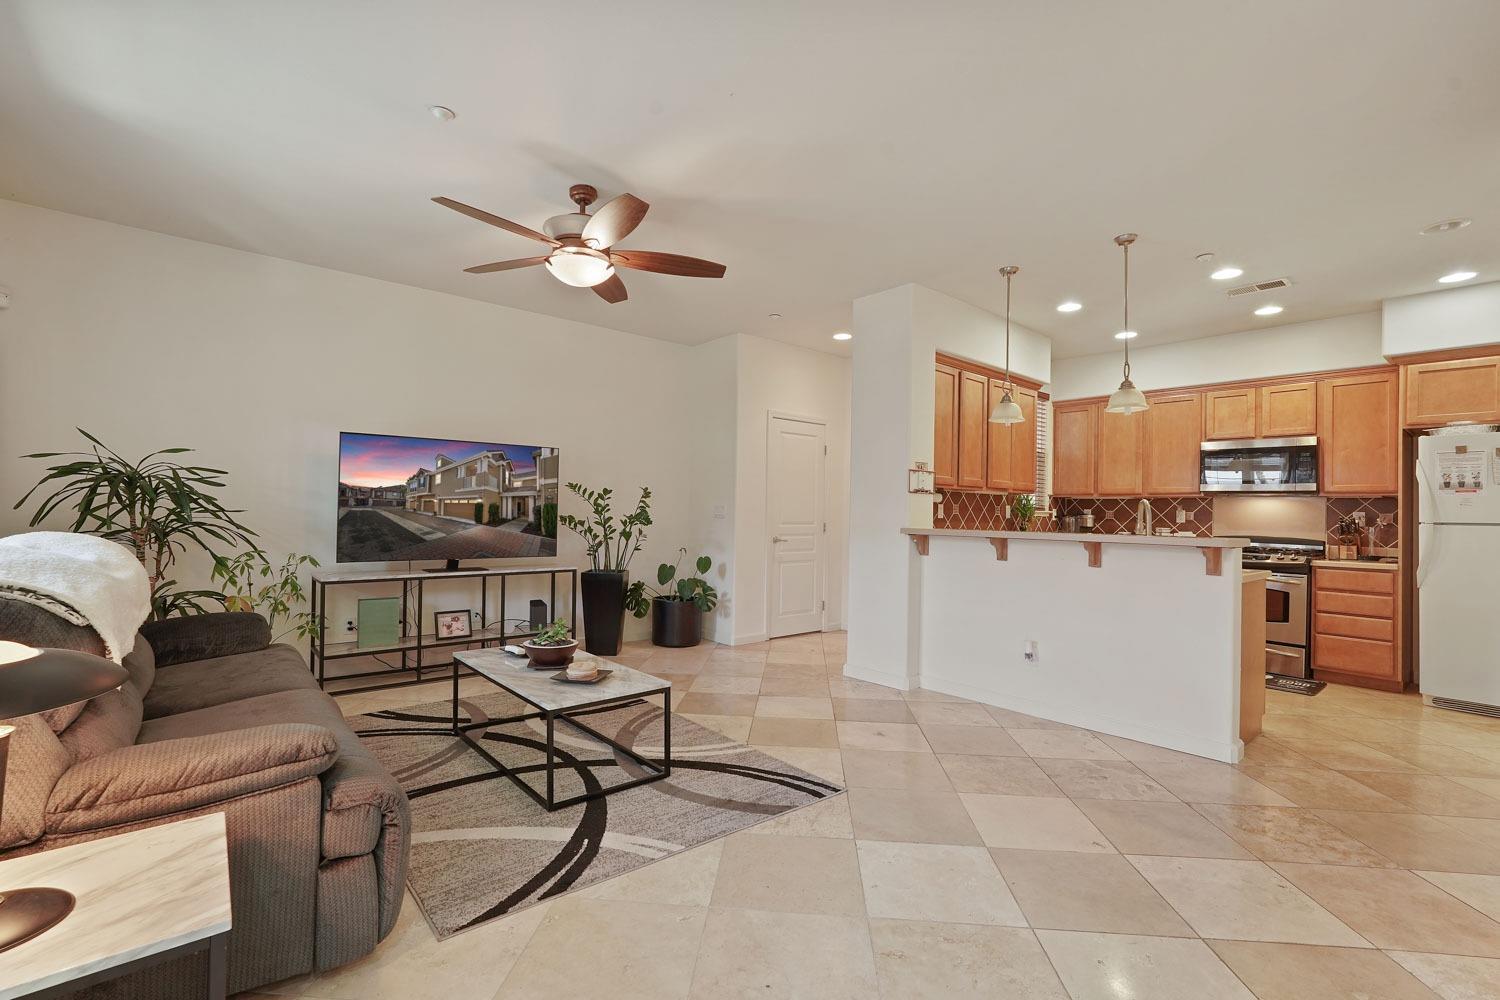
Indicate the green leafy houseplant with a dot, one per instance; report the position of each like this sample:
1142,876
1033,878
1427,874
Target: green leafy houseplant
279,598
156,506
610,546
555,634
1023,509
691,589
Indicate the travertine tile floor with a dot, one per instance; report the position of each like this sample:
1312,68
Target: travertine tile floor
981,853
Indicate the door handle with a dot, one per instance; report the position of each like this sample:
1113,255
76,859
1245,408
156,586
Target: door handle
777,538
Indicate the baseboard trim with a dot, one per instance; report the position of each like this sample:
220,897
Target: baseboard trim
1229,753
885,678
749,640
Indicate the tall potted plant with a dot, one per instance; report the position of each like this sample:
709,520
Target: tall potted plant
677,610
611,543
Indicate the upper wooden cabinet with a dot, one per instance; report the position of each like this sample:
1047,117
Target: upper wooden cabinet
1287,410
1122,451
1074,432
973,430
1441,392
997,474
945,427
1023,443
1172,444
1229,414
1360,439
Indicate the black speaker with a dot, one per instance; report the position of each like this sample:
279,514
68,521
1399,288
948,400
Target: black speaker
539,617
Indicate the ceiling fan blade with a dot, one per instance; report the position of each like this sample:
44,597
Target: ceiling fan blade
611,290
495,220
614,221
666,263
506,265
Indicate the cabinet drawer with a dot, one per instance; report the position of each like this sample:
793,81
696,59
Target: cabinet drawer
1380,629
1363,581
1368,605
1355,656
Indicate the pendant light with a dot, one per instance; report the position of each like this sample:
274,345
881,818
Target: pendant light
1127,398
1007,410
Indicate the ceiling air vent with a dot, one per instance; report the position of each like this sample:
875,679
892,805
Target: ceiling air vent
1259,286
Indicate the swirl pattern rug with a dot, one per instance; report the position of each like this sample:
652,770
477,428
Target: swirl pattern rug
481,848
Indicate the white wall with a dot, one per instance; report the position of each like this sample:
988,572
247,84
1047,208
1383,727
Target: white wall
712,417
1319,345
1435,321
956,327
777,377
152,341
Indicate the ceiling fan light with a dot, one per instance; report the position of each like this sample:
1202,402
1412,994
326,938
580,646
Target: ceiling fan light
1006,411
579,267
1126,399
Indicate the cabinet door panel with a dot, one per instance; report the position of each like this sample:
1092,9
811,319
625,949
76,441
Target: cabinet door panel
1289,410
945,427
1122,452
999,475
1023,444
1172,444
1228,414
1074,433
973,429
1359,439
1444,391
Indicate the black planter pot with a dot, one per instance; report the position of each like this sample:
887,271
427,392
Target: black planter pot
675,623
603,610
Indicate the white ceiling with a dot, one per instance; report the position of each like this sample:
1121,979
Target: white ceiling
822,150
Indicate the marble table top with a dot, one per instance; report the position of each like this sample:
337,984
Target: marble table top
538,687
139,894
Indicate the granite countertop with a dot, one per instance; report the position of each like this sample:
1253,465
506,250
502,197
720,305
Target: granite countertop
1179,541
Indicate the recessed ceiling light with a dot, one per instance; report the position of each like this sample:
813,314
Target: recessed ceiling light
1457,276
1069,307
1225,273
1126,335
843,335
1446,226
1268,310
441,113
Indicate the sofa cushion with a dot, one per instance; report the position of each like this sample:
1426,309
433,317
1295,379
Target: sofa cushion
141,662
37,761
188,687
207,636
107,723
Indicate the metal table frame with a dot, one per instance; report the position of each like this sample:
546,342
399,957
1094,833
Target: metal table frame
550,802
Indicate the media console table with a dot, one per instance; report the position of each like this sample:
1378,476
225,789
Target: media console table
413,642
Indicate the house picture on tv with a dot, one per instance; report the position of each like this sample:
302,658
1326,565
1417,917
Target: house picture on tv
407,498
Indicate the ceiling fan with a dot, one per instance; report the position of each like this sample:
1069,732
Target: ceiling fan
583,253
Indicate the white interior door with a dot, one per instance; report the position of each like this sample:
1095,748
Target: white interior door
795,457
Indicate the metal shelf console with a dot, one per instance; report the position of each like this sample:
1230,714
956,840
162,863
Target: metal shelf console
413,642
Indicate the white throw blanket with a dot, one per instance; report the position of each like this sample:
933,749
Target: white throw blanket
100,580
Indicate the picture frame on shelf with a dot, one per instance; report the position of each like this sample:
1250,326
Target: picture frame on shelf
453,624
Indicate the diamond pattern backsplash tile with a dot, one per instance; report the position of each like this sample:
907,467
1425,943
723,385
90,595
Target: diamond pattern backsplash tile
1115,514
1379,535
982,512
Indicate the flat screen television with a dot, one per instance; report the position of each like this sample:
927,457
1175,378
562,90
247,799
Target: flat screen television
412,498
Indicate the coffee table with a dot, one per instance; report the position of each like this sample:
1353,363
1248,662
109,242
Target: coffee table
557,701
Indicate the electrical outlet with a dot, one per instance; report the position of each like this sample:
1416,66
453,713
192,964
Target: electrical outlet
1181,516
1033,654
349,625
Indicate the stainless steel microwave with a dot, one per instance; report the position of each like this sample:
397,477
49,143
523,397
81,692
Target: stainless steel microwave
1259,465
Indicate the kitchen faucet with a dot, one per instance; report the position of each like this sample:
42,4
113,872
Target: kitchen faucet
1143,518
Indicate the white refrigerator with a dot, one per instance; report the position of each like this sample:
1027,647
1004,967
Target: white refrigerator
1458,566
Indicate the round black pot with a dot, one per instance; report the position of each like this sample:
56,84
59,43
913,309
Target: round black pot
675,623
603,610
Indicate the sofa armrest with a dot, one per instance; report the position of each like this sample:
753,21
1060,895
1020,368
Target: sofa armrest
204,637
151,780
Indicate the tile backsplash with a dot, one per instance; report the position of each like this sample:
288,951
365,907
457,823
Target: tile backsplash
1117,514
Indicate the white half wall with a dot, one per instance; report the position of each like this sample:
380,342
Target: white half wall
1319,345
955,327
1436,321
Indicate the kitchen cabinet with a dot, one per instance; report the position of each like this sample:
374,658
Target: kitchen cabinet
1012,447
1360,438
1121,453
1354,628
1172,432
1287,410
973,430
1074,430
1229,414
1442,392
945,427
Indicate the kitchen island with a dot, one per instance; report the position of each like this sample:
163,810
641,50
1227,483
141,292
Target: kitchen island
1134,636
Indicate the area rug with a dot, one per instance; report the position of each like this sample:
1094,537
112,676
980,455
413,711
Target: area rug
481,848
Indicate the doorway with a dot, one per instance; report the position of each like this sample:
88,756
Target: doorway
796,512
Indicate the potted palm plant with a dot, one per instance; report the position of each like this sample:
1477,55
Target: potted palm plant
611,542
677,610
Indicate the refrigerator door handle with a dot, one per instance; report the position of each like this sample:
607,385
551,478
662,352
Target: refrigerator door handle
1426,535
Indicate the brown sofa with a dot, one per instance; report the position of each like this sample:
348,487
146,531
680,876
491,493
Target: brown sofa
215,718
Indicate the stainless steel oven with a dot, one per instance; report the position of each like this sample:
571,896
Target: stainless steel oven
1287,603
1259,465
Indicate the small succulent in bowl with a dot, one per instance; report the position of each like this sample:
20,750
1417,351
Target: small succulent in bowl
552,647
556,634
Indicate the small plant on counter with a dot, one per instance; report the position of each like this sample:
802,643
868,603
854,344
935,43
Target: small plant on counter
1023,509
555,634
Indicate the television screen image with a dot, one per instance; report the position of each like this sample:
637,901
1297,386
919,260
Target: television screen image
409,498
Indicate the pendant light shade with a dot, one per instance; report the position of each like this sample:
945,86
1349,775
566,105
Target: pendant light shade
1006,410
1127,398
